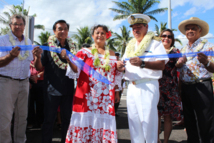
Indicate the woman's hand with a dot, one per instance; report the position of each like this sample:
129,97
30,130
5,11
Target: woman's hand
117,97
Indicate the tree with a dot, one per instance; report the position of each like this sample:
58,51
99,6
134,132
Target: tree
83,36
4,31
17,10
163,27
121,41
43,38
136,6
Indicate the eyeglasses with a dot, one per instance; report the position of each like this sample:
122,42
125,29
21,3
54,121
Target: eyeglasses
61,29
169,36
15,24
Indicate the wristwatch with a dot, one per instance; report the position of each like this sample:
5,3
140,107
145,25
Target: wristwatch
143,65
38,75
208,64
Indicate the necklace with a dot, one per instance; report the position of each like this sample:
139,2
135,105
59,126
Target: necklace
168,51
141,47
13,42
97,63
57,61
199,47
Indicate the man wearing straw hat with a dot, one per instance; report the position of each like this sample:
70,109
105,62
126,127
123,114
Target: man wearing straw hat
196,88
143,75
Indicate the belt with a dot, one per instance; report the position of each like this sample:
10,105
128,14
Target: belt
196,81
12,78
135,82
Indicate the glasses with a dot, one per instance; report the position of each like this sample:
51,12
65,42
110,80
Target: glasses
169,36
15,24
61,29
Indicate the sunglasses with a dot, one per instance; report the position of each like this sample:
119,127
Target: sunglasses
169,36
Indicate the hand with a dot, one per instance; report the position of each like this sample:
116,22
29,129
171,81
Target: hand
182,60
117,97
64,55
120,66
34,78
135,61
203,58
37,51
15,52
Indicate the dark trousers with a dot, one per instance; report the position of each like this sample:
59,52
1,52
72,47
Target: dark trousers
116,105
36,113
198,108
51,104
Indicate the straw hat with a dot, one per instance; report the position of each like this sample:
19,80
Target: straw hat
138,18
194,20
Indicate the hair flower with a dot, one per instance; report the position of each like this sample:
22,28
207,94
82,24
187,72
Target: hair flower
108,34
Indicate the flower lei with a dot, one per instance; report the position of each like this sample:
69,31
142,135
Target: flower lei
97,63
199,47
58,62
131,52
170,50
12,41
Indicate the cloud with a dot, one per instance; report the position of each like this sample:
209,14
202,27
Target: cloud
174,14
206,4
76,13
190,11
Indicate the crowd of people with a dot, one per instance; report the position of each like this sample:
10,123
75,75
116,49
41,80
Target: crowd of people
87,110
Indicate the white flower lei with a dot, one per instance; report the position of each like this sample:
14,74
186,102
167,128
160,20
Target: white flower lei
199,47
141,47
97,63
13,42
58,62
170,50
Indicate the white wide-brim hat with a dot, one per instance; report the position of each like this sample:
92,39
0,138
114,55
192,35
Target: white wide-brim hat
194,20
138,18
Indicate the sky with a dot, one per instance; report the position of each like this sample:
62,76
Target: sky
92,12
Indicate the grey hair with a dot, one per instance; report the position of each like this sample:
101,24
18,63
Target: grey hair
18,16
199,27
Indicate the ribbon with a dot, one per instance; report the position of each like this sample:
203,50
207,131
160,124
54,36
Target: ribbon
74,59
176,55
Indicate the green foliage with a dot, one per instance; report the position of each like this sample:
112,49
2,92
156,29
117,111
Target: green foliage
17,10
4,31
121,41
136,6
83,36
43,38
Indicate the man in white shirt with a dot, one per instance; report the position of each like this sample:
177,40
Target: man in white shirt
143,74
14,83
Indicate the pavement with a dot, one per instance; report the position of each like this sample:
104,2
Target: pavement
178,134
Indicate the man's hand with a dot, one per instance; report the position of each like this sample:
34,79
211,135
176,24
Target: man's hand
15,52
34,78
117,97
181,61
37,51
202,58
120,66
135,61
64,55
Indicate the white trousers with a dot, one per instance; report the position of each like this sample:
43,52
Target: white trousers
142,101
13,99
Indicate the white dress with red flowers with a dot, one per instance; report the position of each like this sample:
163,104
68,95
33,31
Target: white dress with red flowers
93,117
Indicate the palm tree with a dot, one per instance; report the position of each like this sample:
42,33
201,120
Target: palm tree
121,41
163,27
83,36
43,38
17,10
136,6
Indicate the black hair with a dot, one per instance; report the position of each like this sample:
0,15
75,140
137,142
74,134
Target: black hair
105,28
173,37
85,45
60,21
117,54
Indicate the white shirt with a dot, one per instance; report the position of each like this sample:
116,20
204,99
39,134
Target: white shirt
16,69
133,73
